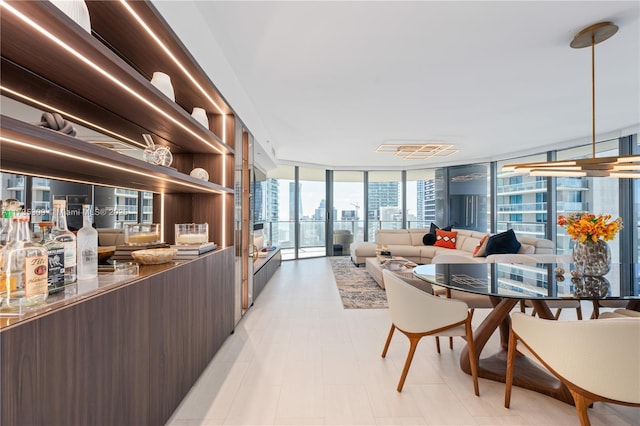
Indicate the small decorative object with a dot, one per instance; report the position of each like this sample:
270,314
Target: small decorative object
76,10
192,233
559,270
199,173
200,116
156,154
591,253
162,82
154,256
54,121
141,234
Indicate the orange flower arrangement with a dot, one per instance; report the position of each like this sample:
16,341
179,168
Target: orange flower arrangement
585,226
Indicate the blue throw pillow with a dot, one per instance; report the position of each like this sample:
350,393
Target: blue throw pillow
503,243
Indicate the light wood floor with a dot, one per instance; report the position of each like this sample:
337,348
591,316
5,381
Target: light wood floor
298,358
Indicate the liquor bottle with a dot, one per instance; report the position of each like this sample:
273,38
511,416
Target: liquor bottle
60,232
55,254
10,207
23,268
87,246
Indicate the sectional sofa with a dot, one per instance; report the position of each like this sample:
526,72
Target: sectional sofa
408,243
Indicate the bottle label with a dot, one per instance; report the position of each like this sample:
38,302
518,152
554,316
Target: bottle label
69,254
56,268
35,275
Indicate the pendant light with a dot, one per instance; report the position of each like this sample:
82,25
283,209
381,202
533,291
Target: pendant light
618,166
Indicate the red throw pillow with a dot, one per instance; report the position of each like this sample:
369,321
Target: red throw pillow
446,239
481,248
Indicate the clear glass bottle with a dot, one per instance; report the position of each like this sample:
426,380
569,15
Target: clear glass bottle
60,232
87,246
55,254
10,207
23,268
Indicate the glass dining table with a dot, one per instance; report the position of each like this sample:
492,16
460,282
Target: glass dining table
506,284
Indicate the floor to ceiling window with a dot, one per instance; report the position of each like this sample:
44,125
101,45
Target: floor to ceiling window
280,217
521,200
424,200
312,219
348,202
384,205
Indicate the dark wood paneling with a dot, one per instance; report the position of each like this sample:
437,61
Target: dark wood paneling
28,149
194,317
124,357
81,365
156,112
113,24
264,268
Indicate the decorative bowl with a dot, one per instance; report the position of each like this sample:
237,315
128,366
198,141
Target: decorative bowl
142,234
105,253
192,233
154,256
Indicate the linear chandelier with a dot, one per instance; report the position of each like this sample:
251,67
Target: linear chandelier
627,166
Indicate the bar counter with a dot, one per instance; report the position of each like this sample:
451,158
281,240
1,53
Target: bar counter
119,352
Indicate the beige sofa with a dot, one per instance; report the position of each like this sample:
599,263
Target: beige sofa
408,244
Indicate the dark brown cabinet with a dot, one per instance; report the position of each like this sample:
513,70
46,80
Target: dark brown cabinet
129,354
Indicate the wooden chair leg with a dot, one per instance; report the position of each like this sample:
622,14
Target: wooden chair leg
579,312
473,361
557,315
511,361
582,404
596,310
450,342
413,344
386,345
523,307
438,344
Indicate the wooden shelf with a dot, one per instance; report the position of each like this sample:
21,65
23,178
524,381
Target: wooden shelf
32,150
124,95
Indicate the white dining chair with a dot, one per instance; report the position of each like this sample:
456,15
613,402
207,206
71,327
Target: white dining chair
417,313
596,360
473,301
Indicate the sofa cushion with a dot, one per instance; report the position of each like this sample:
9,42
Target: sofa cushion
503,243
396,237
481,248
445,239
526,249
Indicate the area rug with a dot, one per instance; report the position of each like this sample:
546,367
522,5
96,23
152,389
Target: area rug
357,289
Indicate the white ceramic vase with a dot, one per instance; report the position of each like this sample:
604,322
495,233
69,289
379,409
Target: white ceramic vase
76,10
162,82
200,116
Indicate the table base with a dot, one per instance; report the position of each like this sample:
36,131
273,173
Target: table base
527,374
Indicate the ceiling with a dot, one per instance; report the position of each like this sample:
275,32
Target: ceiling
325,83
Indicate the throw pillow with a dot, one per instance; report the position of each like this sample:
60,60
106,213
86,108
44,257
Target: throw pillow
481,248
429,239
503,243
446,239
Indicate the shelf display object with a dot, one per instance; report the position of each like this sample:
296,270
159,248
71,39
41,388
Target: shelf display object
55,256
23,269
61,233
87,246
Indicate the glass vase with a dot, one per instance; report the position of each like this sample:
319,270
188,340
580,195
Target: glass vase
592,259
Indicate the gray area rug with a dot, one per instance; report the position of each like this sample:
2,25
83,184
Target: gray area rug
357,289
